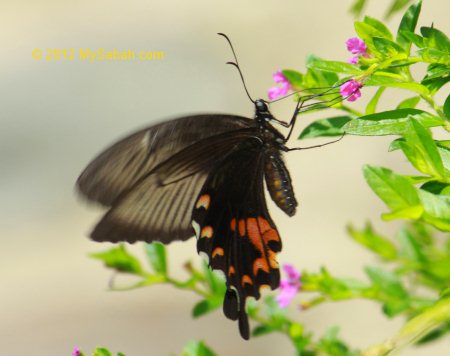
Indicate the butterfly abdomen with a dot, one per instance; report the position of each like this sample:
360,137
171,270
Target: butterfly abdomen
279,183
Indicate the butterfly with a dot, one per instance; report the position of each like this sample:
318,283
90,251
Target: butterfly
201,175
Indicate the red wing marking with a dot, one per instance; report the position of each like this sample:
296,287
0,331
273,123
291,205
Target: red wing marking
233,224
242,227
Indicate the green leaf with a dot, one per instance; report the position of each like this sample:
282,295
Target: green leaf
197,348
447,107
421,150
437,209
156,253
408,23
374,242
119,259
372,105
379,26
357,7
410,249
395,190
388,48
385,79
396,6
394,122
319,79
387,281
204,307
316,63
444,152
366,32
325,127
409,103
436,39
435,187
101,351
436,70
215,281
262,330
433,55
414,38
295,78
411,212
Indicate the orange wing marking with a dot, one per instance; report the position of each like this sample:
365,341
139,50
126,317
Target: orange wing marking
203,202
218,251
260,233
246,279
207,232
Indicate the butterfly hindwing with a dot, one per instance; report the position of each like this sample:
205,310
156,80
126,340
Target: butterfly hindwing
235,231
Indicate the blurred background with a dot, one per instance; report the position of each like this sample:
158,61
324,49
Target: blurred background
57,115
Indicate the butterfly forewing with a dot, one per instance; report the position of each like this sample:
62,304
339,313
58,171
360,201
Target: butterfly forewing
159,205
118,168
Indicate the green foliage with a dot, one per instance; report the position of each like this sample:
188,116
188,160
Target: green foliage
197,348
412,280
119,259
101,351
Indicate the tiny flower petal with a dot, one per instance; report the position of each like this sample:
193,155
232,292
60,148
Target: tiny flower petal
288,287
293,274
356,45
351,90
276,92
278,77
76,351
353,60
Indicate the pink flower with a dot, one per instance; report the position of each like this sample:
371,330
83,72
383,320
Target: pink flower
76,352
276,92
351,90
356,46
353,60
288,287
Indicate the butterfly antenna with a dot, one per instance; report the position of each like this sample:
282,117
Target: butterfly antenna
236,64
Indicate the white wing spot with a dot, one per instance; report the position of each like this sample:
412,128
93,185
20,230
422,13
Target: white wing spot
196,228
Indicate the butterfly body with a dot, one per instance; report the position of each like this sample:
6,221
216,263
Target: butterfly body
201,175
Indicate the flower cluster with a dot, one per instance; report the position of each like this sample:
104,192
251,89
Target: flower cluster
289,286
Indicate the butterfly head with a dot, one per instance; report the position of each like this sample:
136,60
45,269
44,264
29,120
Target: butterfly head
261,106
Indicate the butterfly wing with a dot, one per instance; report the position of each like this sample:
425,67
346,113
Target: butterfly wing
235,231
118,168
160,204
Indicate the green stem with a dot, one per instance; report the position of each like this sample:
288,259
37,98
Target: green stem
414,329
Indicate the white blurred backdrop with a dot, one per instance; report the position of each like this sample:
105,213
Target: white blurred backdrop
57,115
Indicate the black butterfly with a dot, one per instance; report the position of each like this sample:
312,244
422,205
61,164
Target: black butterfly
205,175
